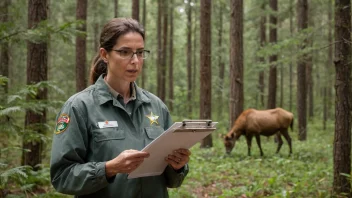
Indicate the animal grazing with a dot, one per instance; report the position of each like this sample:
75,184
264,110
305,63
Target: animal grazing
254,122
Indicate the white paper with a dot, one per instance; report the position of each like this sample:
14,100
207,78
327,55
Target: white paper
169,141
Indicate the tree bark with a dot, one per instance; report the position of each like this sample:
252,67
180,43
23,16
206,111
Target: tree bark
342,139
291,64
205,66
135,9
236,60
302,16
159,50
5,53
164,54
262,36
328,72
37,71
171,57
143,77
189,60
116,6
81,76
273,58
221,64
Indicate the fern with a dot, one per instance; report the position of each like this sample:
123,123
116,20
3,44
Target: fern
15,173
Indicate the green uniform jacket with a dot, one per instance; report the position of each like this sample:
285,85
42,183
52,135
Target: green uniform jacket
82,144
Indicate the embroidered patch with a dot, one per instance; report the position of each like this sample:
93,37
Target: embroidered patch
152,118
62,123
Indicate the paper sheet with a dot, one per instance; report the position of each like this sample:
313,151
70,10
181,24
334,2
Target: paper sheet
177,136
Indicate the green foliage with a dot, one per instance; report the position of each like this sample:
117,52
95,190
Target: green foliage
16,179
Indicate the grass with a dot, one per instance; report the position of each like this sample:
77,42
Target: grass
308,172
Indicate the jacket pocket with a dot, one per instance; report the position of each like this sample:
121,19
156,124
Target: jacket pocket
153,132
108,134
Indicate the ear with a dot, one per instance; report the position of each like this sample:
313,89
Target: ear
104,55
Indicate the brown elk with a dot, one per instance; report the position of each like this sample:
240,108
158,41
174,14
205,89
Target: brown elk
254,122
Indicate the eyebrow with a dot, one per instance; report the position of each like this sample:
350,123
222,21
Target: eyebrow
128,48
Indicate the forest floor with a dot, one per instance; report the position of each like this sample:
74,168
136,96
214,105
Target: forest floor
308,172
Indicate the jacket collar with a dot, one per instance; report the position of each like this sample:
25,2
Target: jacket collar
104,95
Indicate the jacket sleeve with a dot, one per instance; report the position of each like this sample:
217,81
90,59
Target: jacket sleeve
173,178
69,171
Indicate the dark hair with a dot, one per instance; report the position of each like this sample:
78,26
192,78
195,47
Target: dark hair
115,28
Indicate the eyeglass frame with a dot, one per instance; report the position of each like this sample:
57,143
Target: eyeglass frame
133,53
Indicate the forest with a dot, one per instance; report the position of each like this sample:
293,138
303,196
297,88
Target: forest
210,59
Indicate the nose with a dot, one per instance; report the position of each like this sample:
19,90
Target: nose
134,58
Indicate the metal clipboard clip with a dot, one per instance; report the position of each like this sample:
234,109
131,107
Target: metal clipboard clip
196,126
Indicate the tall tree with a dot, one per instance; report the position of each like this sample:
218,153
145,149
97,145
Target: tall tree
159,48
143,78
236,60
81,59
4,53
328,65
309,68
135,9
205,66
273,58
164,53
302,16
37,71
189,58
116,6
195,39
221,64
291,64
262,36
171,57
342,60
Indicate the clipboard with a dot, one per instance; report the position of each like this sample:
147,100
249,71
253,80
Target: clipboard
183,134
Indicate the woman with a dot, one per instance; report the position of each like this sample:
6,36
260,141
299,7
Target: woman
101,130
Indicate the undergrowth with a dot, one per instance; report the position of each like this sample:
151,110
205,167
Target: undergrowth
308,172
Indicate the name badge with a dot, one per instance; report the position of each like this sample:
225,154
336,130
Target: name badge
107,124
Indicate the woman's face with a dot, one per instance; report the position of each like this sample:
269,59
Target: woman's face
121,68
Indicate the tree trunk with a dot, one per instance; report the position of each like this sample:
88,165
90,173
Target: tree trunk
164,53
171,57
135,9
143,78
291,64
236,60
116,6
342,60
302,16
309,69
159,50
195,39
4,54
37,59
262,36
189,60
81,14
273,58
205,66
327,88
221,64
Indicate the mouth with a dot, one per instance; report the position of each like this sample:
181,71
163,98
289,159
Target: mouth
132,71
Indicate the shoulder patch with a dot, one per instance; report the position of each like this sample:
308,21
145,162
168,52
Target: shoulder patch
62,123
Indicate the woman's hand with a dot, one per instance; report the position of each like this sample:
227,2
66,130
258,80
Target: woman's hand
126,162
178,158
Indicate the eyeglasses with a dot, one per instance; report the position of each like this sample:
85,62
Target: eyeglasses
128,54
